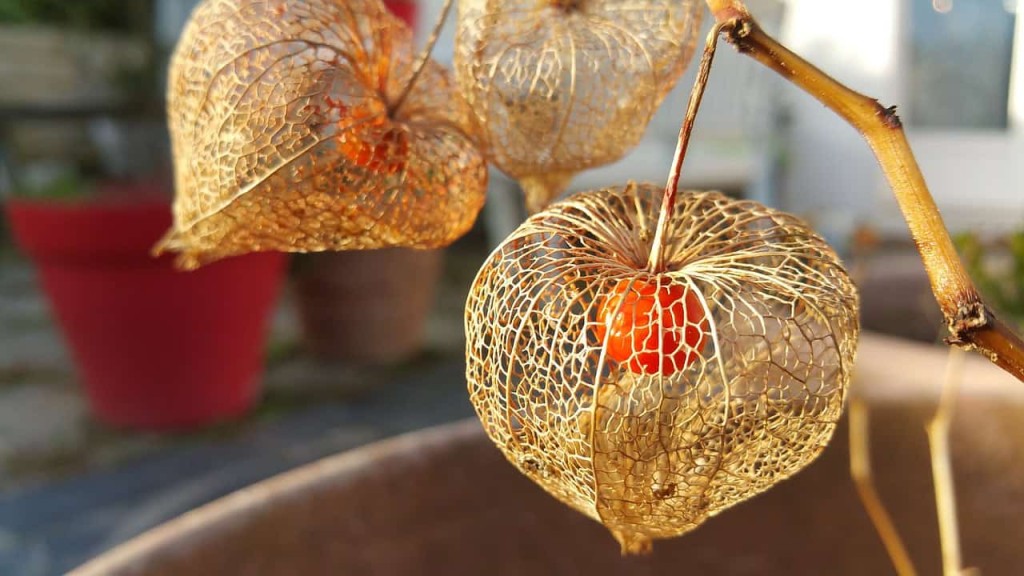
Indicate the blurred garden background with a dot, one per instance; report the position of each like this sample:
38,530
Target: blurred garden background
346,349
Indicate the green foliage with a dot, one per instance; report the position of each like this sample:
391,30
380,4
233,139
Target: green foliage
111,15
66,186
997,270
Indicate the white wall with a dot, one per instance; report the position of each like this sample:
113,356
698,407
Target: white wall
831,175
977,179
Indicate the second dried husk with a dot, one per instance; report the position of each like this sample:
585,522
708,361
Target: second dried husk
654,456
560,86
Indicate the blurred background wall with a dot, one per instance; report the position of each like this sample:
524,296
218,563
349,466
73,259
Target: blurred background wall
955,68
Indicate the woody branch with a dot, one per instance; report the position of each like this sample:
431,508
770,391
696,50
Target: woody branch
972,325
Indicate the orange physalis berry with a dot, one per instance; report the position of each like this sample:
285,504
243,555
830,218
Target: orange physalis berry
372,142
652,328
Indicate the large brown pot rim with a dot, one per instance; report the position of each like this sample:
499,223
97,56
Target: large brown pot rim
328,473
916,378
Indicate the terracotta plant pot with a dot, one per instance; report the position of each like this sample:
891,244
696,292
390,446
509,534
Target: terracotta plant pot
366,307
444,501
154,347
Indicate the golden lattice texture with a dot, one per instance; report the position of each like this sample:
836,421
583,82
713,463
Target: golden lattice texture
754,364
558,86
283,140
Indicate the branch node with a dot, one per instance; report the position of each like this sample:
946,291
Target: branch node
889,116
737,30
970,317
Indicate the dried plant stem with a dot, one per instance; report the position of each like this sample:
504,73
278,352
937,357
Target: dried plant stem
863,480
972,326
424,57
655,262
942,470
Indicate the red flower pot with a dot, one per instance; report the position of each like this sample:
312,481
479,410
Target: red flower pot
155,348
404,9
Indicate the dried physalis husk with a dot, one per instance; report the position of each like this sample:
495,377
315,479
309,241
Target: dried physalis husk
283,138
558,86
652,401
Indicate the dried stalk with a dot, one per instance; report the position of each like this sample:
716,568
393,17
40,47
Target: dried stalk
863,480
655,263
942,469
971,324
421,63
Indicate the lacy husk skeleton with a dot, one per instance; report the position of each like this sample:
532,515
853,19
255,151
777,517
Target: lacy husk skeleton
559,87
653,455
285,137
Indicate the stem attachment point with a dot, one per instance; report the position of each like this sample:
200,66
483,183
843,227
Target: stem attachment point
656,261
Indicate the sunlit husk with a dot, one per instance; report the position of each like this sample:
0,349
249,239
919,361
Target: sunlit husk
653,456
282,140
559,86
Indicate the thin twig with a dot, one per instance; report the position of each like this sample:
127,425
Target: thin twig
942,470
860,457
424,57
654,264
863,480
971,324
